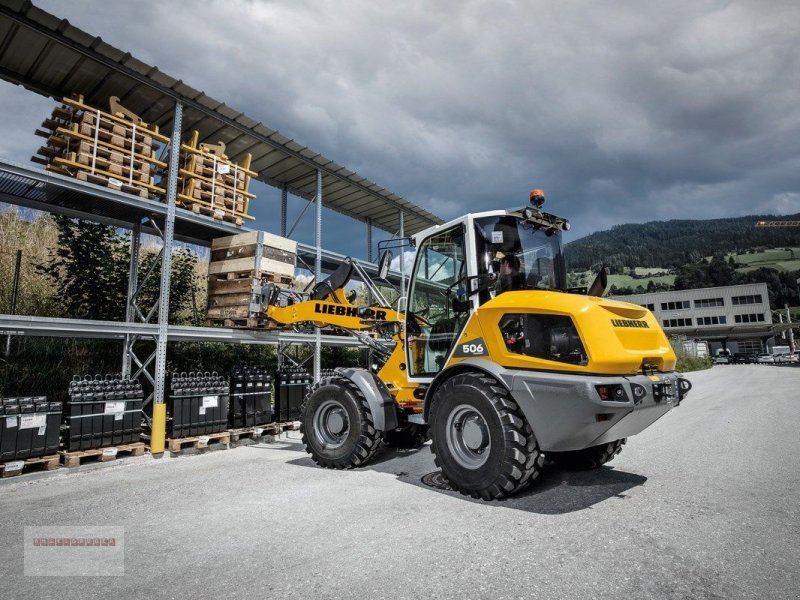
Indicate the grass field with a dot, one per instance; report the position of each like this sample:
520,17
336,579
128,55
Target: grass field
779,259
620,281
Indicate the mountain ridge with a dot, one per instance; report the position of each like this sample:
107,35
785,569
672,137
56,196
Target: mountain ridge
674,243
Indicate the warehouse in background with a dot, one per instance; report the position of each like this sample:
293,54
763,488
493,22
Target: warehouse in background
736,318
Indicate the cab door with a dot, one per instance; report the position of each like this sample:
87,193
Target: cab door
437,306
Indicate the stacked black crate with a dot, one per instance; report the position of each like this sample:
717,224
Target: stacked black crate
251,396
103,411
198,404
291,387
29,427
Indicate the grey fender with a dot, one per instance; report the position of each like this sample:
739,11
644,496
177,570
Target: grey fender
465,366
381,403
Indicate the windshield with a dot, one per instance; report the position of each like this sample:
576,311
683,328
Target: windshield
522,255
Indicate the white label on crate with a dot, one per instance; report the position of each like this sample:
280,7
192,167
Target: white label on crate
33,421
118,416
497,237
112,408
11,422
202,410
15,465
114,182
42,430
109,451
210,401
223,169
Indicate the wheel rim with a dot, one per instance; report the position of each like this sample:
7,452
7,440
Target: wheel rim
468,437
331,424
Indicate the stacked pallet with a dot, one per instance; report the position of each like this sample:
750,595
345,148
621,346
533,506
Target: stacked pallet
114,149
210,183
241,266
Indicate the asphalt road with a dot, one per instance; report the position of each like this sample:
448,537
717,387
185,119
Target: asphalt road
704,504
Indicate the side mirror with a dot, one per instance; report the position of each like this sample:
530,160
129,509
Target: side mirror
598,287
383,264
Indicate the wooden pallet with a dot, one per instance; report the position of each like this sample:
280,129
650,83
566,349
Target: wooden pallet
288,426
110,181
105,138
76,102
16,467
204,208
254,432
263,276
65,136
207,169
203,183
248,323
77,457
123,172
176,445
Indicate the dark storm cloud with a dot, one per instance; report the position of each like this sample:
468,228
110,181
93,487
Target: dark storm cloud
622,111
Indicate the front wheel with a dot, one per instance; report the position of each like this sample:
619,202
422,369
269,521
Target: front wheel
588,458
481,440
337,426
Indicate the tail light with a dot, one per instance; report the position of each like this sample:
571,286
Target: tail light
612,393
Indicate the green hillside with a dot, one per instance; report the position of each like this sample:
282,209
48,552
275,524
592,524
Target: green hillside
659,256
671,244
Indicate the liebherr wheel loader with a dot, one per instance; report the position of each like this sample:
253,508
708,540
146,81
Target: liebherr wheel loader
493,358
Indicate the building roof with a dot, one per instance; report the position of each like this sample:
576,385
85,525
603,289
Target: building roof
47,55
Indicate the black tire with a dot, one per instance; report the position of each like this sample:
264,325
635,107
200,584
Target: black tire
588,458
353,440
409,437
478,403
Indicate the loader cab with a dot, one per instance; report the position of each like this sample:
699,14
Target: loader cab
465,263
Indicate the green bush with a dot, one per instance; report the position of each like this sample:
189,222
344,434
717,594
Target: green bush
688,362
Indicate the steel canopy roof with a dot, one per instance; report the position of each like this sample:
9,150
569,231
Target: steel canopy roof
51,57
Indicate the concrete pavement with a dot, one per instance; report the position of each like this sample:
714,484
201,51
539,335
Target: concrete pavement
704,504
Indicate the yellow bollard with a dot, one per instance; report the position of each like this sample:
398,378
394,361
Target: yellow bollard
159,429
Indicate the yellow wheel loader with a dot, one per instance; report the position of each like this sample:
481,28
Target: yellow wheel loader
492,357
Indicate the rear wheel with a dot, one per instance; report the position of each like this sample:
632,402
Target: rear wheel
337,426
481,440
588,458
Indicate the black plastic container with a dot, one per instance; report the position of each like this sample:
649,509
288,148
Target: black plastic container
25,430
197,404
291,386
251,396
9,426
103,411
54,415
29,427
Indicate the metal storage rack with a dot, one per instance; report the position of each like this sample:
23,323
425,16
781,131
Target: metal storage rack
51,57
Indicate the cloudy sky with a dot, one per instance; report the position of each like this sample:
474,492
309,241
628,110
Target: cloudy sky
622,112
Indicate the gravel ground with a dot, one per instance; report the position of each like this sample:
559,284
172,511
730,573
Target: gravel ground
704,504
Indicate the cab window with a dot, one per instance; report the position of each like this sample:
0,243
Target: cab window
436,313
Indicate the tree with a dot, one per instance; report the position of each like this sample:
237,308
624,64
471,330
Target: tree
182,287
90,270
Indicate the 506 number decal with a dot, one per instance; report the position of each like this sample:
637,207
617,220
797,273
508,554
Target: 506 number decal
476,347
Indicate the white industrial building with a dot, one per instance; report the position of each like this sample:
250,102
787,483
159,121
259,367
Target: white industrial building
735,317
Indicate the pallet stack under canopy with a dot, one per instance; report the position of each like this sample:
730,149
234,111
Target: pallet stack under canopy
114,149
241,266
210,183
